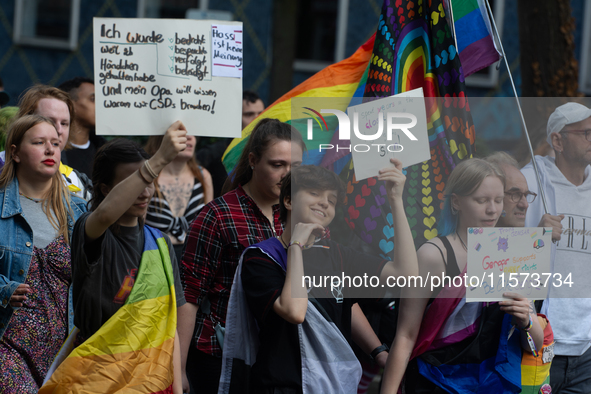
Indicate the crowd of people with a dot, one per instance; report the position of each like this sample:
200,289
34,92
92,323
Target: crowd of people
101,236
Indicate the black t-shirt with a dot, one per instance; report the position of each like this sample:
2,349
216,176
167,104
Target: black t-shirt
83,159
104,271
278,362
80,159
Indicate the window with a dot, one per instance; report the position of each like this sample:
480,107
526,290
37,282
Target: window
188,9
322,29
165,8
52,24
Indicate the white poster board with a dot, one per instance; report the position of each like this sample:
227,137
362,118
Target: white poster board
515,259
148,73
372,149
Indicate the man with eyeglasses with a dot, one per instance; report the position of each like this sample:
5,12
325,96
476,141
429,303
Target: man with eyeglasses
567,185
518,197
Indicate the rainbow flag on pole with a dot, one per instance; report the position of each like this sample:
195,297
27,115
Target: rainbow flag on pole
133,350
473,31
413,47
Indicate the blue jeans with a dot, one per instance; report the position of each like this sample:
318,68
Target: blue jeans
571,374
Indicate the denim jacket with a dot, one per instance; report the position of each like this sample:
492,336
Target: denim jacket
16,248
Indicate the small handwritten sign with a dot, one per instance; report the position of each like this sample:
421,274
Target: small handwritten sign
152,72
392,127
227,51
515,259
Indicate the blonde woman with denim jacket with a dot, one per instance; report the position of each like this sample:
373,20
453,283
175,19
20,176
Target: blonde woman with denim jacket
37,214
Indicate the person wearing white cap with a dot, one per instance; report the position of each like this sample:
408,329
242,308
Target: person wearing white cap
566,181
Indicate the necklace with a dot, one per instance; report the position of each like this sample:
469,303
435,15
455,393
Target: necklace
282,241
37,201
463,244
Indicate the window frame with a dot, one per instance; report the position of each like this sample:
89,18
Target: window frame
305,65
71,43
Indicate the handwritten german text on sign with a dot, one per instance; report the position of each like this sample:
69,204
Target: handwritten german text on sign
227,50
152,72
503,260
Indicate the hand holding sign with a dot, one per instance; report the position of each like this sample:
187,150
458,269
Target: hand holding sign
174,142
394,179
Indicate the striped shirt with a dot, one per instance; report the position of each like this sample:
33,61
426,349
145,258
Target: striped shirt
160,215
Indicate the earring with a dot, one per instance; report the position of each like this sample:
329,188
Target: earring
503,213
454,211
252,167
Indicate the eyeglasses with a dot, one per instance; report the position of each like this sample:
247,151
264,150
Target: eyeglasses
587,133
516,196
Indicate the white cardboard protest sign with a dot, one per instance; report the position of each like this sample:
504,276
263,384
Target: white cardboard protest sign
373,139
513,259
148,73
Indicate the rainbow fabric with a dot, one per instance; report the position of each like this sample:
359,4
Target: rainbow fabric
414,49
473,33
341,79
535,371
133,350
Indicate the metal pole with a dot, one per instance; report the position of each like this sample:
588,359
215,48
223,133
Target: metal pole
531,149
453,24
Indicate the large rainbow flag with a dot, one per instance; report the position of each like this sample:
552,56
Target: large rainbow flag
133,350
413,47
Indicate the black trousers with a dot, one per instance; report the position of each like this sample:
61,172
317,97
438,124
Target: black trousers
203,372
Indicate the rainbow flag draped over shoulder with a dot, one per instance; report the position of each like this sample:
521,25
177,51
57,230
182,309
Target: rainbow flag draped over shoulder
473,31
341,79
133,350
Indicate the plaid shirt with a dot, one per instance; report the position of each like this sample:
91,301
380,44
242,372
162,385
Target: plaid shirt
218,236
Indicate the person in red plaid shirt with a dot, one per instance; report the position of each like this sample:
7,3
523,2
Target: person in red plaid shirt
223,229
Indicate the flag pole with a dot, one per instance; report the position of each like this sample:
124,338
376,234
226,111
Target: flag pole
453,24
531,149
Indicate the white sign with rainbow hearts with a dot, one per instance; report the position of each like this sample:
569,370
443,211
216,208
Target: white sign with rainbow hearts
508,259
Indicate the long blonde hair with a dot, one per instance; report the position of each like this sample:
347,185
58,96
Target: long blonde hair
56,204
